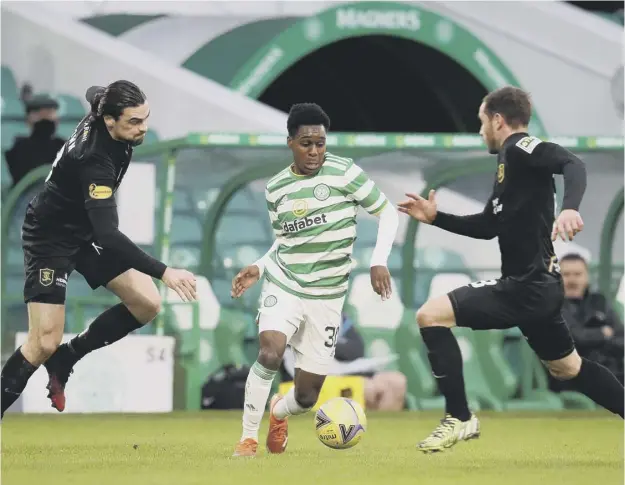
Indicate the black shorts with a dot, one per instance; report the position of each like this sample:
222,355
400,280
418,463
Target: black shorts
533,306
46,277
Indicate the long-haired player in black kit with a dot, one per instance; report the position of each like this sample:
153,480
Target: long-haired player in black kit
529,294
73,224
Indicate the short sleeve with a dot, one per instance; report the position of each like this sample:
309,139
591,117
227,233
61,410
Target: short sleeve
360,188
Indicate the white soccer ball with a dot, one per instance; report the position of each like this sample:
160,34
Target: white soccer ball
340,423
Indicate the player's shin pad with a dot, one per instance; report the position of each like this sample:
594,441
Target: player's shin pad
257,389
15,375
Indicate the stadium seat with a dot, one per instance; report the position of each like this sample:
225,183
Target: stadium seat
79,316
490,380
497,370
221,288
15,319
238,229
477,384
83,305
77,286
532,392
15,259
17,216
377,323
576,400
66,129
229,337
233,259
244,200
238,256
414,365
151,137
377,320
13,284
185,256
420,382
186,229
202,199
362,256
10,130
443,283
535,385
501,378
494,380
8,84
250,299
13,109
194,324
5,176
183,202
366,230
429,262
619,302
70,107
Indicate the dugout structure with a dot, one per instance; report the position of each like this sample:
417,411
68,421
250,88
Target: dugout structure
211,218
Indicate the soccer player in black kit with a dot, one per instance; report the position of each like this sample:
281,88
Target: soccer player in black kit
529,294
73,224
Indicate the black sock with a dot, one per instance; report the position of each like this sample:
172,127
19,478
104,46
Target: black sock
600,385
112,325
15,375
446,361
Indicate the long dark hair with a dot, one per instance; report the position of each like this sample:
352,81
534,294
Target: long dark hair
114,98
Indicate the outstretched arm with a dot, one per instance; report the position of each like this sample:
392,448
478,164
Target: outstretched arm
97,178
478,226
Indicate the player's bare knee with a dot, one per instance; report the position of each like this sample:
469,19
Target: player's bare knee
566,368
139,293
48,342
144,307
562,373
427,317
424,317
151,307
306,397
270,357
436,312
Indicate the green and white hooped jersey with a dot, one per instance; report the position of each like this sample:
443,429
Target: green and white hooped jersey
314,219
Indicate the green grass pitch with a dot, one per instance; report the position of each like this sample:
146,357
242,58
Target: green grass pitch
195,449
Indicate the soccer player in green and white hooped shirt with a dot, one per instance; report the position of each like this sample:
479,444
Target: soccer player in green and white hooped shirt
312,206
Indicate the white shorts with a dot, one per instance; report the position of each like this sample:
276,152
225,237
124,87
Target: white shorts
311,326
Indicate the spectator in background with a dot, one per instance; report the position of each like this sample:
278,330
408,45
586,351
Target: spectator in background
26,93
384,391
41,147
595,326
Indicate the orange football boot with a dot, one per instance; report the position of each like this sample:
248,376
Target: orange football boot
278,435
247,447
